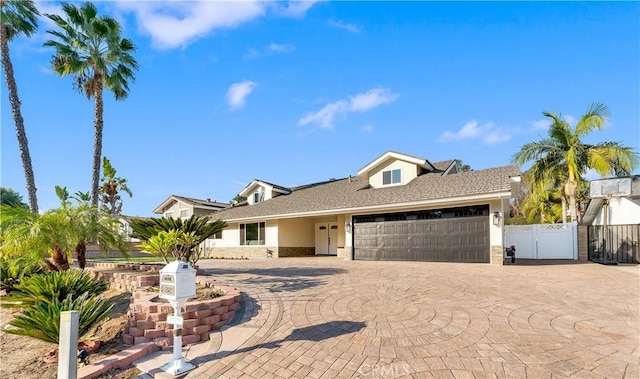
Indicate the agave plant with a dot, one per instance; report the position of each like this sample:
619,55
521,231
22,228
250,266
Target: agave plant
41,320
62,285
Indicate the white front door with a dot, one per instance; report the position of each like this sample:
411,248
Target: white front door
327,238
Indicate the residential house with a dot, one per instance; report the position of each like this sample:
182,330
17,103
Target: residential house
621,214
184,207
398,207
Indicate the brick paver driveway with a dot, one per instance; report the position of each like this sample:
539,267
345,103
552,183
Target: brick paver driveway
330,318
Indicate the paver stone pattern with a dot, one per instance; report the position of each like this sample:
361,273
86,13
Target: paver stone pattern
330,318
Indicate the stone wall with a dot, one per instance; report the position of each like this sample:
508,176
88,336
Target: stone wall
148,318
241,252
296,252
344,252
583,244
497,255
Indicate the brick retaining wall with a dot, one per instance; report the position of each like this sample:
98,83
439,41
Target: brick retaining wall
147,318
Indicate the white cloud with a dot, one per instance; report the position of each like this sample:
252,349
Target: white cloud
361,102
325,116
251,54
294,9
238,92
468,130
172,24
281,48
486,132
496,137
371,99
48,7
570,119
272,48
343,25
367,128
542,124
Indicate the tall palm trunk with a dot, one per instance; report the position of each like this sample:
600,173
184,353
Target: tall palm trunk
98,123
23,143
570,190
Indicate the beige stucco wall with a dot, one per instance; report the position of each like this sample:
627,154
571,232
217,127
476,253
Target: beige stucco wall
409,172
296,232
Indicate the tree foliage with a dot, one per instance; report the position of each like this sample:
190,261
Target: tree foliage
561,160
173,237
92,50
111,187
11,197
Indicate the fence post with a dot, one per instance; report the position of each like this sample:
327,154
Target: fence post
68,345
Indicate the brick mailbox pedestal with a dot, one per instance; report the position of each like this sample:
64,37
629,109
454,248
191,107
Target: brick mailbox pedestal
148,316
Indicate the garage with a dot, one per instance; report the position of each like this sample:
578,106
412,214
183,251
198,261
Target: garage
437,235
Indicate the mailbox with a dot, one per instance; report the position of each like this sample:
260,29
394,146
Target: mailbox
177,281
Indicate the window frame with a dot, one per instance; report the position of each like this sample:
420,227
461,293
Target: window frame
392,177
261,231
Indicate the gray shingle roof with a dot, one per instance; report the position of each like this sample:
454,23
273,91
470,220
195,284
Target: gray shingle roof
355,193
206,203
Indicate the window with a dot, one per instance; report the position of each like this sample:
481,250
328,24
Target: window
168,214
218,235
184,213
252,234
258,197
391,177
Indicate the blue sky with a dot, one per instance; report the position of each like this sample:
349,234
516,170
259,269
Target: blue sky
293,93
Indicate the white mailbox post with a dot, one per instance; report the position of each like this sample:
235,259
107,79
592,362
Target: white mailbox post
177,284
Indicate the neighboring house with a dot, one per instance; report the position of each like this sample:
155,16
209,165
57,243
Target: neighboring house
622,233
623,210
398,207
184,207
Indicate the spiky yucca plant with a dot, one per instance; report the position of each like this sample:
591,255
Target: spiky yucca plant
41,320
43,288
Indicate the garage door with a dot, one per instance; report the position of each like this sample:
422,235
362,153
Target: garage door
448,235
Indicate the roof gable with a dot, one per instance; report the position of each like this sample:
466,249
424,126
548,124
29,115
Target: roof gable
206,204
393,155
256,183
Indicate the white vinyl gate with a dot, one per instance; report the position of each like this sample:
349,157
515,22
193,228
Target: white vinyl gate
543,241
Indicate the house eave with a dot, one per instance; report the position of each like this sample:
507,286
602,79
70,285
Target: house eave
379,208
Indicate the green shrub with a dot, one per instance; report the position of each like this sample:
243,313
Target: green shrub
15,269
54,285
41,320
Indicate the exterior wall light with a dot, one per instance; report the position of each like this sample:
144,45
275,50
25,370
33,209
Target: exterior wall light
497,219
347,226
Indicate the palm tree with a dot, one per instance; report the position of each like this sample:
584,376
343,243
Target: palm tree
18,17
91,49
90,225
45,236
562,159
111,187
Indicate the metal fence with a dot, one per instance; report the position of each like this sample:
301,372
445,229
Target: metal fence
620,242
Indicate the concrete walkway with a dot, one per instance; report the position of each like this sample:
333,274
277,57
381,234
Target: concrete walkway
330,318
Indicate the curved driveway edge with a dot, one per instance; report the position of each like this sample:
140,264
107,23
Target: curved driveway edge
329,318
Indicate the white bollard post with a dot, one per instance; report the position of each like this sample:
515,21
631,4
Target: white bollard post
68,345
